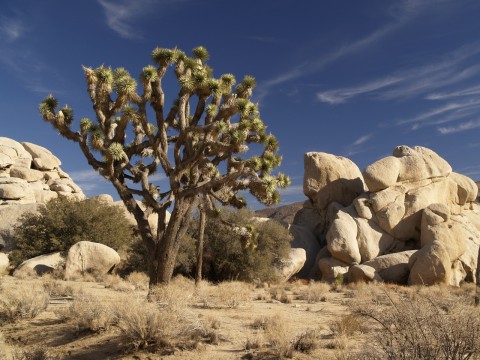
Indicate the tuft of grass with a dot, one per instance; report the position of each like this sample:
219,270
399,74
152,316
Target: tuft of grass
88,314
315,292
306,342
234,293
346,325
22,302
139,280
280,294
56,288
143,325
116,283
279,336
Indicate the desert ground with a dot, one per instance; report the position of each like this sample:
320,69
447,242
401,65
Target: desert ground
112,319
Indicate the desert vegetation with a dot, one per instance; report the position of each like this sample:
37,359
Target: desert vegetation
62,222
233,320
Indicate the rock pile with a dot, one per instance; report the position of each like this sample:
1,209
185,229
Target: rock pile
31,174
407,219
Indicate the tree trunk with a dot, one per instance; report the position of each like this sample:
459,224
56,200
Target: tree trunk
200,241
163,259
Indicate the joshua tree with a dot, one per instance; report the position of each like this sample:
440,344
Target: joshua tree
201,144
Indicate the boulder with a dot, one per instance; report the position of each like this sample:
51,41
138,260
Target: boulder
5,161
15,189
43,159
4,263
293,264
430,265
86,256
42,264
406,164
342,237
16,152
9,216
304,239
331,269
392,268
363,273
329,178
29,175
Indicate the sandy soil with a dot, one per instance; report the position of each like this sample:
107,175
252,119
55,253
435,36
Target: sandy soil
234,326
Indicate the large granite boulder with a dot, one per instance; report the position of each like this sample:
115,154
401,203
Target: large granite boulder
42,264
89,257
293,264
330,178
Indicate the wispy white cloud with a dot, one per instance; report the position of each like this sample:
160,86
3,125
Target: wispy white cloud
412,82
457,110
339,96
84,175
401,13
459,128
12,29
122,15
359,145
475,90
362,139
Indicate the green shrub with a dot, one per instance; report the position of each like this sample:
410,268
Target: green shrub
235,257
62,222
227,255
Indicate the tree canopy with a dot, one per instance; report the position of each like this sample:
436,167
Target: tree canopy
201,143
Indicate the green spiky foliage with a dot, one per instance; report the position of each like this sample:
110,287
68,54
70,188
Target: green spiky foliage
208,127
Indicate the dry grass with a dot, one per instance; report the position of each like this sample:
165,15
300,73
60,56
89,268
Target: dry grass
143,325
22,302
279,336
346,325
314,292
139,280
88,314
233,293
57,288
280,294
116,283
425,326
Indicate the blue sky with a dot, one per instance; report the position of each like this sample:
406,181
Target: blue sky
351,78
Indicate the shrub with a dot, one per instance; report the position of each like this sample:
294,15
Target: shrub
88,314
143,325
346,325
279,335
57,288
426,328
306,342
233,293
238,258
62,222
22,302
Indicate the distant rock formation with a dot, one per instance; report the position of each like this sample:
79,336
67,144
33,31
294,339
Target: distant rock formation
29,175
407,219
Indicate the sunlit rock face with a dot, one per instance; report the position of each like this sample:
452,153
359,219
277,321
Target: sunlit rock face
411,204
